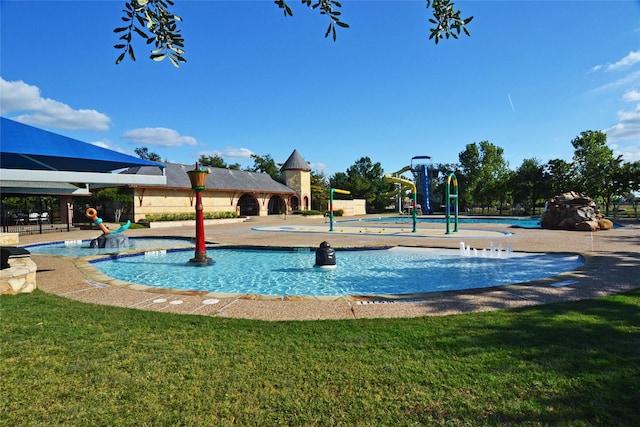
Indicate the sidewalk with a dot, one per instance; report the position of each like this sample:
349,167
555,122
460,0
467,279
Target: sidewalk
612,266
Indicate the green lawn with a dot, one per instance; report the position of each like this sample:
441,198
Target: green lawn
70,363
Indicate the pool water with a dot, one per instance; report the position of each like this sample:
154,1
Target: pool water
533,222
81,248
399,270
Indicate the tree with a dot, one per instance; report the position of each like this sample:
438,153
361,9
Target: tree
485,173
144,153
593,161
631,173
216,161
631,176
527,184
153,21
365,180
118,197
560,177
266,165
319,191
468,180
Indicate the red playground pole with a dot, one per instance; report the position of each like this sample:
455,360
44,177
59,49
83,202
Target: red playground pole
198,178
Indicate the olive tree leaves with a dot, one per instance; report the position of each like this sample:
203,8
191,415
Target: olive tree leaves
327,7
446,20
152,21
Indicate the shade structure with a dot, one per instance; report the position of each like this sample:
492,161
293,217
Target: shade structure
33,154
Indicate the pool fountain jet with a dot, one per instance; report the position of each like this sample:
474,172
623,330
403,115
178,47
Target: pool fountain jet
198,178
493,252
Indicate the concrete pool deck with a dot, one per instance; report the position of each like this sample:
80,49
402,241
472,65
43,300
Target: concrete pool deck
612,266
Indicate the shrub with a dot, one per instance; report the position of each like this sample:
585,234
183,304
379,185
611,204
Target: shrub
336,212
188,216
307,213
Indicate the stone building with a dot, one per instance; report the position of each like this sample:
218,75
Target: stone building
227,190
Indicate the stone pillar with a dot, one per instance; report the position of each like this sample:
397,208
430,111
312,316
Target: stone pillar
20,277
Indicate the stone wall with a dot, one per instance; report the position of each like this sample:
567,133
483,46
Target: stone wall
351,207
9,239
19,277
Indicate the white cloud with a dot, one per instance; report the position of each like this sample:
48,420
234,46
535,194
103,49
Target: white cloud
320,167
105,143
630,153
158,137
626,62
625,81
18,96
631,96
234,153
628,126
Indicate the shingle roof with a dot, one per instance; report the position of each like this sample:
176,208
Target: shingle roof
295,162
218,179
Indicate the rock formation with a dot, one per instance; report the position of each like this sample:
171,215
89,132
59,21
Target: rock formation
117,241
573,211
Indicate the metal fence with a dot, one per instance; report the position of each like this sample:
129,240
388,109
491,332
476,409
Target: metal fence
38,227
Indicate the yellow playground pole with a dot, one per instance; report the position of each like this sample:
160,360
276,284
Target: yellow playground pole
331,191
389,177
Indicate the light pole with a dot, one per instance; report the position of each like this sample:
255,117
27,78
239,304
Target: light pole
198,178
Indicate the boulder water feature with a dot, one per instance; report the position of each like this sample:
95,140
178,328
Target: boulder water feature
110,241
573,211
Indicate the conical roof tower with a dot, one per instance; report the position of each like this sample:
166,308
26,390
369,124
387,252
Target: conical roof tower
296,174
295,162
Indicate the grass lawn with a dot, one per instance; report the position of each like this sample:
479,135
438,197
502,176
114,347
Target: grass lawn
68,363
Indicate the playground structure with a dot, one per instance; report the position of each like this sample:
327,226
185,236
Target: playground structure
331,191
92,214
451,179
109,239
423,182
422,175
389,177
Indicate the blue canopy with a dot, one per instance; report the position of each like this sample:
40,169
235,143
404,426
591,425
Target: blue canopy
29,148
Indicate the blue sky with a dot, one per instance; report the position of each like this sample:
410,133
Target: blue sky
532,76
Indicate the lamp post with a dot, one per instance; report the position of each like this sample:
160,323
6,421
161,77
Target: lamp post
198,178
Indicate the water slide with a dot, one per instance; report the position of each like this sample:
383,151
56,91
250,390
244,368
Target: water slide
421,175
423,185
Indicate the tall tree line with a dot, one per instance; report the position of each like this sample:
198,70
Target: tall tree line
485,178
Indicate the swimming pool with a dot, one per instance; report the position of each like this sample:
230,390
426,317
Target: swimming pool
80,248
521,222
397,270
